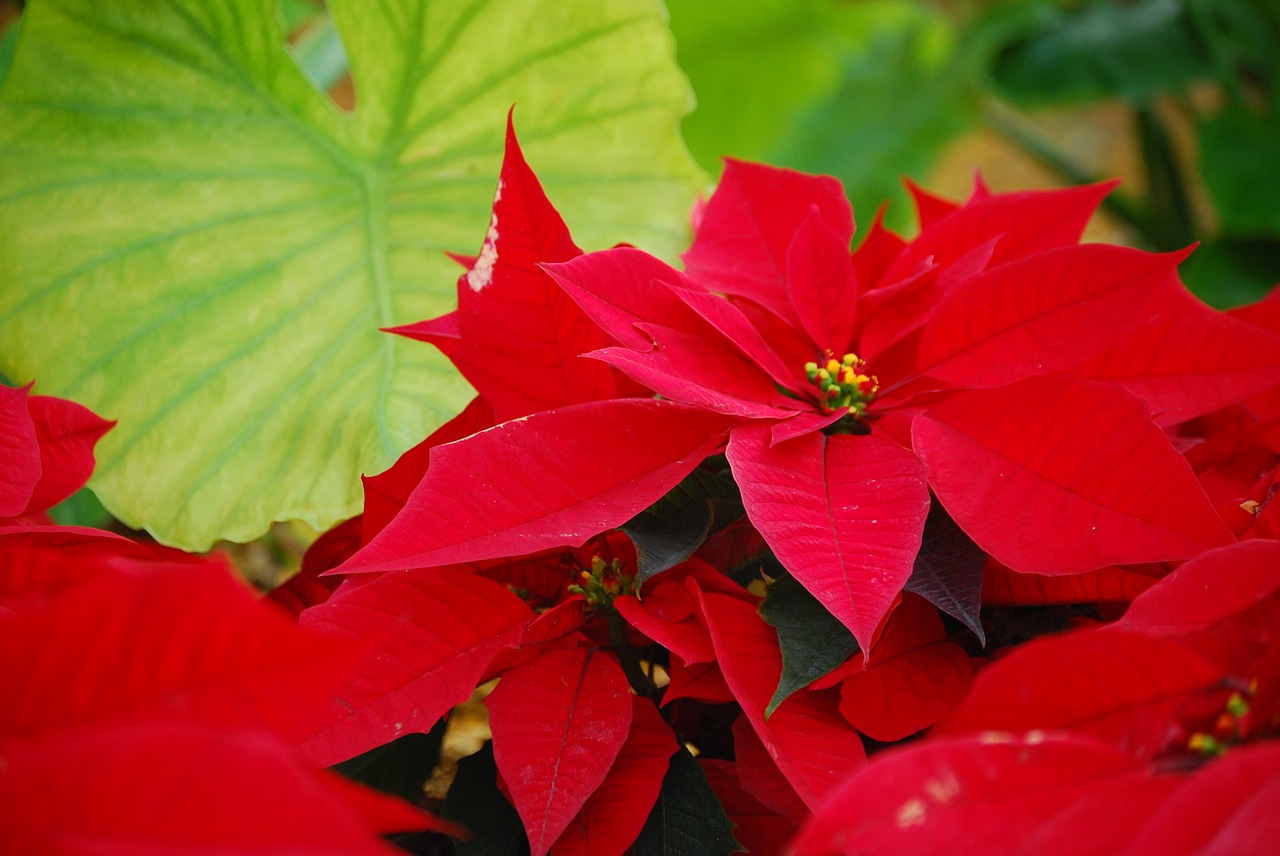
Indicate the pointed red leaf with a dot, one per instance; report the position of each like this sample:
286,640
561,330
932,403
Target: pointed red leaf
1122,688
519,336
1041,313
1026,222
876,253
1188,363
613,816
558,723
1058,475
844,514
741,244
700,681
805,736
386,493
547,480
1228,807
20,466
930,208
67,433
433,633
1003,587
915,677
1224,603
981,794
822,284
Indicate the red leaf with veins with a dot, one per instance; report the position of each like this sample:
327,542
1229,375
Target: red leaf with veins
1188,363
1058,475
548,480
1026,222
822,284
558,723
1003,587
386,493
741,244
843,513
1224,603
916,676
984,793
42,560
760,776
806,737
614,814
516,336
1122,688
1042,313
433,633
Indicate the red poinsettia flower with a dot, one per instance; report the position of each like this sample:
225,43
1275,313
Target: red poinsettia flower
850,387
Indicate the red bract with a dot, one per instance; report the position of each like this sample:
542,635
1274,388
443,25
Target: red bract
46,450
844,400
168,696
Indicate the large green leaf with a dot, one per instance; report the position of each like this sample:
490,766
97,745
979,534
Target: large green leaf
197,243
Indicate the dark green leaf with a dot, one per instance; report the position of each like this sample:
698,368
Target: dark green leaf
1240,162
475,803
813,641
948,570
669,531
1102,50
81,509
400,767
688,819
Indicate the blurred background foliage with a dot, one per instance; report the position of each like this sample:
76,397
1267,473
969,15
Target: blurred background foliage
1180,98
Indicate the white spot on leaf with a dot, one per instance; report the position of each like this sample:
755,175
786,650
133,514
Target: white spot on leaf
481,273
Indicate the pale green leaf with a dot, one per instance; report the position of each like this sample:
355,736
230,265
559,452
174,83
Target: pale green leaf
197,243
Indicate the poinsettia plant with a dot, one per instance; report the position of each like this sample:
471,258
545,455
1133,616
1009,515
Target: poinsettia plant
961,541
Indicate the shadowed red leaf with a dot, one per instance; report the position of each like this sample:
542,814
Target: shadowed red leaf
558,723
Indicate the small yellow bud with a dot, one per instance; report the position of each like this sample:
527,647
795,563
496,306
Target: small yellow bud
810,368
832,367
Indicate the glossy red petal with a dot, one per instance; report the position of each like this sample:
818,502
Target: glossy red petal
20,466
915,677
1224,603
806,737
980,794
67,433
1025,222
1122,688
822,283
1103,821
741,244
1058,475
386,493
432,634
548,480
760,777
558,723
1189,363
1042,313
614,814
930,208
844,514
876,253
